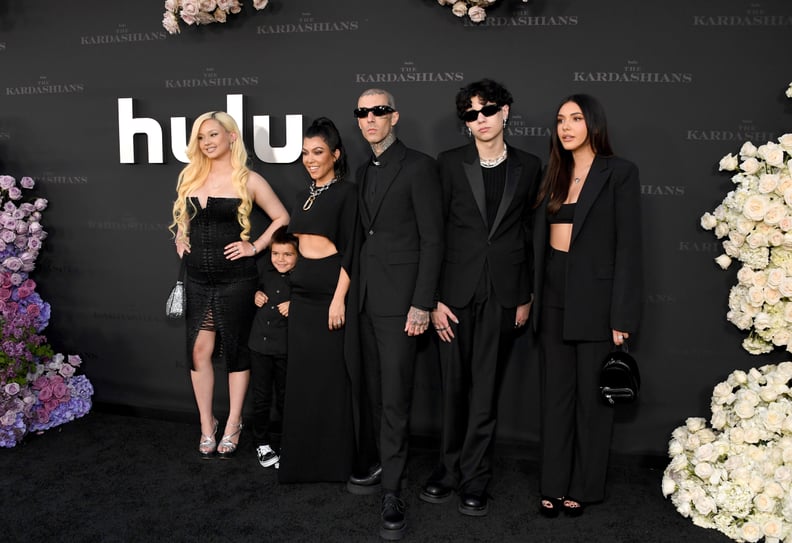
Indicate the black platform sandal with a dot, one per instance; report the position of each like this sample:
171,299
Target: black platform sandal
550,507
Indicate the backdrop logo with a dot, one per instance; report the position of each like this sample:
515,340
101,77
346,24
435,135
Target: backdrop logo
44,86
408,73
632,73
523,17
211,79
754,15
2,46
126,224
745,131
306,22
662,190
5,136
518,127
122,35
129,126
49,178
699,247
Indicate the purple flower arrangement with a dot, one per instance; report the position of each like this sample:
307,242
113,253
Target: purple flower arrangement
38,388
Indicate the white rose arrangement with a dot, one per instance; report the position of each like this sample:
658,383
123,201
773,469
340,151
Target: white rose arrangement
736,476
474,9
201,12
755,223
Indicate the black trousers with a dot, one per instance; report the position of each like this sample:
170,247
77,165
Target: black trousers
576,424
267,375
388,370
471,367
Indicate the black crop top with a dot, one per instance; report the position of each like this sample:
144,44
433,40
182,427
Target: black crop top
565,215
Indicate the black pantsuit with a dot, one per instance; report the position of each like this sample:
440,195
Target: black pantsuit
267,377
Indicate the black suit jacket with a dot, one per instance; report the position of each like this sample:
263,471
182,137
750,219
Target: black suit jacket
470,244
402,235
604,281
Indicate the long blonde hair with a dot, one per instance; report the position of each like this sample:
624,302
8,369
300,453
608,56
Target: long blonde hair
197,170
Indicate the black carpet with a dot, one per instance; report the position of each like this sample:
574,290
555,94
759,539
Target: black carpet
109,477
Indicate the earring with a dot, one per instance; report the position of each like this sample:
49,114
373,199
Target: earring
504,121
469,132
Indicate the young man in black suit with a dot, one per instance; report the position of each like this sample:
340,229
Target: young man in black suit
489,189
400,255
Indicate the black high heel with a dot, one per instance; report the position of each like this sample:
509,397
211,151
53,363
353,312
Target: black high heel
572,507
550,507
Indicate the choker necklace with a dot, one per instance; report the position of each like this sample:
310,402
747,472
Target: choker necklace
314,192
492,162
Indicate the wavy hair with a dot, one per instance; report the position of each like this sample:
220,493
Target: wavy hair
197,170
561,163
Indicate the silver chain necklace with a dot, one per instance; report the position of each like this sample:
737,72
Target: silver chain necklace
314,192
492,162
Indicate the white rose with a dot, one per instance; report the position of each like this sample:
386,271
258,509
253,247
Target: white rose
755,207
775,212
776,238
772,295
781,337
748,149
786,142
756,296
675,447
756,239
721,230
752,435
751,531
668,486
773,490
694,424
723,261
728,163
708,221
764,503
768,182
745,225
736,435
678,463
731,249
745,277
750,166
744,410
477,14
459,9
789,91
775,276
718,419
773,528
785,224
705,454
772,153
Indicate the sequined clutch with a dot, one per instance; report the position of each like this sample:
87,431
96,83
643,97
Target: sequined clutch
176,303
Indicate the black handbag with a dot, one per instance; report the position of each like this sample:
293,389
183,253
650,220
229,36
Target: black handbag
175,305
619,379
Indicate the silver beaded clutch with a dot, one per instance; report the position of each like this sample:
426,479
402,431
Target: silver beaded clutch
175,305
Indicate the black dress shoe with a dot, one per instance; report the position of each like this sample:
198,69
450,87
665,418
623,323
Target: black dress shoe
367,484
436,492
394,523
473,505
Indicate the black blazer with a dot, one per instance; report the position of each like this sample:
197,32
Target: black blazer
402,236
604,266
470,244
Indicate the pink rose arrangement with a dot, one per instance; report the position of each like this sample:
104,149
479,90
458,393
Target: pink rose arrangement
201,12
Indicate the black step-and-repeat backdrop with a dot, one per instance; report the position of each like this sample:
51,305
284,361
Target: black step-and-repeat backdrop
96,102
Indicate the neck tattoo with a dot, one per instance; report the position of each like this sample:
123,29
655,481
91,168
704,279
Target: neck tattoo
315,191
382,146
492,162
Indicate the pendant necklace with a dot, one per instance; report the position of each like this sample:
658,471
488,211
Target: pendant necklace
314,192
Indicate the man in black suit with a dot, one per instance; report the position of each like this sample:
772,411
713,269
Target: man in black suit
401,249
489,190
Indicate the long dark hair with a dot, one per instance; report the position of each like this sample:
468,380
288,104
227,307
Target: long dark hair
561,163
326,129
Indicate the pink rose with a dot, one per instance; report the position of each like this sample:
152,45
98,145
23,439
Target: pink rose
27,183
5,293
40,204
66,371
12,388
60,390
33,310
74,360
6,182
42,415
45,393
15,193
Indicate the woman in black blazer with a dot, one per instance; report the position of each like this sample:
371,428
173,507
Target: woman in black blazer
587,283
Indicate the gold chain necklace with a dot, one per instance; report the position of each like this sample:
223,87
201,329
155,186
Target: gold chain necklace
315,191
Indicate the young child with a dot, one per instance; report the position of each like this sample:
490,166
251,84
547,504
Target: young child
268,343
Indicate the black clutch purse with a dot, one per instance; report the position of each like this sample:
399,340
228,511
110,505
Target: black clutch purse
619,380
176,304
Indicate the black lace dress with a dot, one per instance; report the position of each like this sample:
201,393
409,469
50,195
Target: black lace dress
219,291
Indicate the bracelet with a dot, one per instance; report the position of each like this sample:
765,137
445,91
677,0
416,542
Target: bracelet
254,248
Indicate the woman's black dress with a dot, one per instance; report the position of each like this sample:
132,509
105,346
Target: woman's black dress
219,291
318,432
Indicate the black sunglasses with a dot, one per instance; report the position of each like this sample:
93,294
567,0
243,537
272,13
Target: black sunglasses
472,114
378,111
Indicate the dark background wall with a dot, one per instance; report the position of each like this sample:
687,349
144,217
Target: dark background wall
684,83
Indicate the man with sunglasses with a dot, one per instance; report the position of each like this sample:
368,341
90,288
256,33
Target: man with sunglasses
402,236
489,189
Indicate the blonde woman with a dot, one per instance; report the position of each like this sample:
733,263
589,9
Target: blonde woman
211,224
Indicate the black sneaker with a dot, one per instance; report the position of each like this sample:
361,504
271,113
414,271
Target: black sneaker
266,456
394,523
